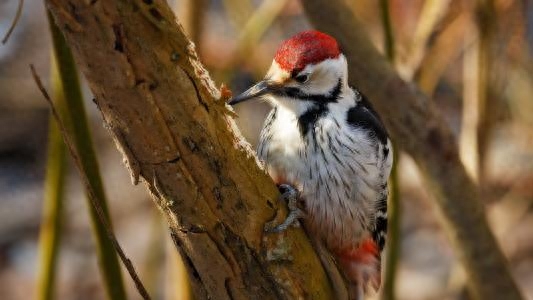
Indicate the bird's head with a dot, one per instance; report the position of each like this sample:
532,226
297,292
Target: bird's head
308,68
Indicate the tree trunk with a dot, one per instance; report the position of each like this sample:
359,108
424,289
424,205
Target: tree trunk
178,135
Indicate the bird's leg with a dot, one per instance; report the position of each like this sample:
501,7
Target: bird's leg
290,195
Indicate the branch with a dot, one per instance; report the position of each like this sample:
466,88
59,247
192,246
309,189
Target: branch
9,31
53,215
177,135
92,194
418,128
392,254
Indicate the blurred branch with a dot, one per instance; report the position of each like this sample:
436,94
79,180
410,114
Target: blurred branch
478,63
486,29
418,128
256,26
393,237
77,125
102,219
178,287
468,142
176,134
52,219
155,256
193,20
14,23
238,11
393,210
448,46
387,29
431,14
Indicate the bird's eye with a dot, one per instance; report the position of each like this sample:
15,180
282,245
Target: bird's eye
302,78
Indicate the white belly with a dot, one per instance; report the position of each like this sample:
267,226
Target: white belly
336,169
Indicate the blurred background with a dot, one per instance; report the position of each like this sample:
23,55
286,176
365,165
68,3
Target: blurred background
474,61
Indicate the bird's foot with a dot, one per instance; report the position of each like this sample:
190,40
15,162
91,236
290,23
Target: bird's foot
291,196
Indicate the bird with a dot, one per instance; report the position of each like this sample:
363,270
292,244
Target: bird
329,153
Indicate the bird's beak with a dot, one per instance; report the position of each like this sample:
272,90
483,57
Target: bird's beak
261,88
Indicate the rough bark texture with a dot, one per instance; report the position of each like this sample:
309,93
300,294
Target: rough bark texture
166,117
416,126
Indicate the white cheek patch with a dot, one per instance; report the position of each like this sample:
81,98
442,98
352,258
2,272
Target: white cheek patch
325,75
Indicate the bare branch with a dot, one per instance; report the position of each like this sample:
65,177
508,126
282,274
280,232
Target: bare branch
89,188
14,23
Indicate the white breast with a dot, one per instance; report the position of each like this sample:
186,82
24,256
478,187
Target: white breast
337,169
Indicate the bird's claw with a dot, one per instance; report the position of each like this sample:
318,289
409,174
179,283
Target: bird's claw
290,195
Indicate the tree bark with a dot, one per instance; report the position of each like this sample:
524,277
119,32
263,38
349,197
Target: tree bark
178,135
419,129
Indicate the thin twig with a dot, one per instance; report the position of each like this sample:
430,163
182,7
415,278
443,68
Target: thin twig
387,30
51,230
92,196
393,238
14,23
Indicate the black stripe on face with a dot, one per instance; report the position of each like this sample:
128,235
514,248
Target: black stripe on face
298,94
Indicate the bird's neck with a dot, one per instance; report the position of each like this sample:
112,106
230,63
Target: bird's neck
305,114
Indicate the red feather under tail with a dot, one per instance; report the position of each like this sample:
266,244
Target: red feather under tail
362,267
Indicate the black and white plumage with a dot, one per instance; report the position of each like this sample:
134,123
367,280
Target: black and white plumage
323,138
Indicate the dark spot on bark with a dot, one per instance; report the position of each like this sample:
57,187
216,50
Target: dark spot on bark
239,205
434,138
118,46
156,14
175,159
119,38
215,165
93,2
190,144
152,86
193,228
270,204
218,197
67,28
74,12
198,93
139,82
227,285
175,56
148,2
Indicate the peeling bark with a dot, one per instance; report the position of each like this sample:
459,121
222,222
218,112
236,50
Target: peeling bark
178,136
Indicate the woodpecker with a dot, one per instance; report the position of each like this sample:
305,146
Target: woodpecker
327,149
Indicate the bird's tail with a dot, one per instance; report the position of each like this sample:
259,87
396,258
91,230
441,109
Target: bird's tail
362,267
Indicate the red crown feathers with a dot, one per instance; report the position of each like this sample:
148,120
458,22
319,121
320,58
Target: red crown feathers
307,47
